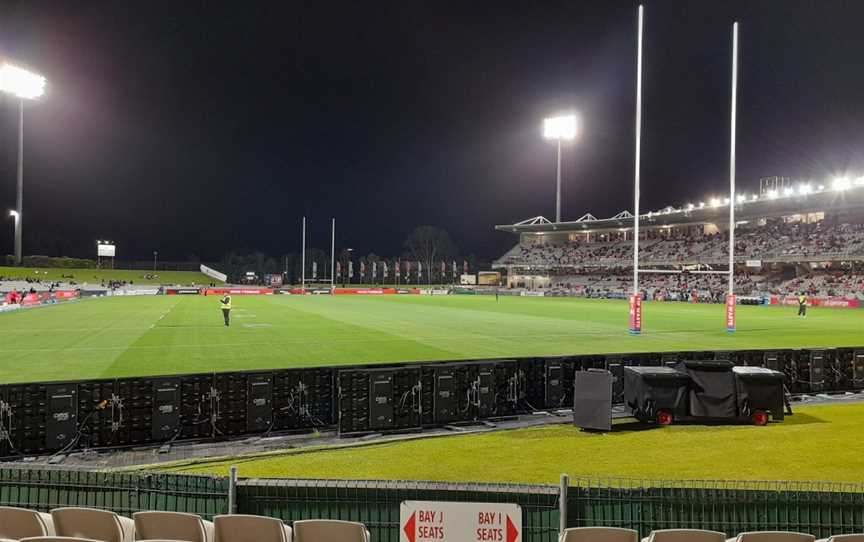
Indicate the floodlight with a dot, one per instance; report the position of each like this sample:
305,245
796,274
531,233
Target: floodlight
804,189
690,206
859,181
20,82
821,187
772,194
715,202
563,127
701,204
841,183
788,191
741,198
725,201
13,213
754,197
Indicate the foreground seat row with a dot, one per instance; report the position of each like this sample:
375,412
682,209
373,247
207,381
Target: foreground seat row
92,525
612,534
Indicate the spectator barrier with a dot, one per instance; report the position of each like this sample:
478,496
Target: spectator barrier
819,508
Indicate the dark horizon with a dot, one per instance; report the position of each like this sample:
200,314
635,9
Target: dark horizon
200,128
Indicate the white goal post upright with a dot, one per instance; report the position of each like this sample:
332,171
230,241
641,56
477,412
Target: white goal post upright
730,297
636,298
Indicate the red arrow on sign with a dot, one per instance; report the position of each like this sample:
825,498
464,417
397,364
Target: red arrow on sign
409,528
512,532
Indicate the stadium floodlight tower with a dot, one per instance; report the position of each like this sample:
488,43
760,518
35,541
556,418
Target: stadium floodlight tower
560,128
24,85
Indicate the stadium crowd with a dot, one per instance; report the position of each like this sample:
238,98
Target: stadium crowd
777,240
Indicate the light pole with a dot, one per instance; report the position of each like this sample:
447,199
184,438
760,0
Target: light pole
155,255
560,128
24,85
14,214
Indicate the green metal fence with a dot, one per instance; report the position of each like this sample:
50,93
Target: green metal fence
818,508
44,489
376,503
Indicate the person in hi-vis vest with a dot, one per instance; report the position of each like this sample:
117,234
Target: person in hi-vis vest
225,302
802,305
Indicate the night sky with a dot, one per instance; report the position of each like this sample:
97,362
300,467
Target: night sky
195,128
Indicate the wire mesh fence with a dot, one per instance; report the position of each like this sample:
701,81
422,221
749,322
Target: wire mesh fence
818,508
376,503
44,489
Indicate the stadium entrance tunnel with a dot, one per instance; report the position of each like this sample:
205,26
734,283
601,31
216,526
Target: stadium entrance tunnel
56,418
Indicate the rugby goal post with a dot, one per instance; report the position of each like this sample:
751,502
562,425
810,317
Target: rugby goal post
635,324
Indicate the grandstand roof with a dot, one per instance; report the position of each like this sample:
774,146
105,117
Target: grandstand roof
850,199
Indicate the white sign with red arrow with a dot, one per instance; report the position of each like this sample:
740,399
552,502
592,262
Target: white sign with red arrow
427,521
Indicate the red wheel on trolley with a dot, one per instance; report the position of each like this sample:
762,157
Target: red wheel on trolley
664,417
760,418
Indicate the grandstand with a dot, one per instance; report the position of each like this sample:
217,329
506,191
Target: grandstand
787,241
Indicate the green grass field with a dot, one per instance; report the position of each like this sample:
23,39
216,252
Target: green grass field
817,443
110,337
96,276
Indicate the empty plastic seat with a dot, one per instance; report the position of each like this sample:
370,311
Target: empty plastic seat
17,523
773,536
94,524
843,538
599,534
243,528
322,530
685,535
52,538
172,526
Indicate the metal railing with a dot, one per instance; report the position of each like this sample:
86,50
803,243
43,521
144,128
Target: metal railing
818,508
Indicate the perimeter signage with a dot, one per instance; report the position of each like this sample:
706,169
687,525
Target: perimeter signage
427,521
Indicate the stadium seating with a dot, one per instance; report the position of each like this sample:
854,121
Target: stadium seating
92,523
598,534
844,538
57,539
245,528
330,531
172,526
16,523
685,535
773,536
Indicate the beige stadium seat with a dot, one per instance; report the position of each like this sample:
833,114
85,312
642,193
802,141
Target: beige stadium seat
773,536
92,523
51,538
685,535
599,534
323,530
172,526
844,538
243,528
17,523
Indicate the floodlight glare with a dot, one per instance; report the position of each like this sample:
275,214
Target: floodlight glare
701,204
841,183
804,189
788,191
725,201
690,206
563,127
754,197
859,181
715,202
13,213
741,198
772,194
20,82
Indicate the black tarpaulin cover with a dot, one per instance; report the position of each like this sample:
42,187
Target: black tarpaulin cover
712,389
663,386
759,389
